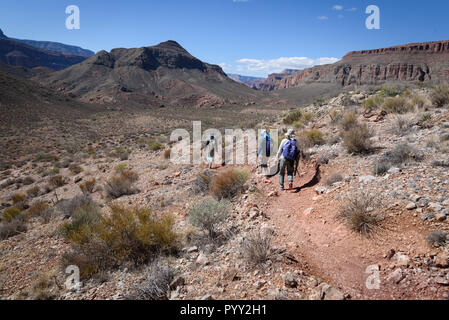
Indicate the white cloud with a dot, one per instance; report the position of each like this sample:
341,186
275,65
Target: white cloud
264,67
351,9
225,66
322,18
337,7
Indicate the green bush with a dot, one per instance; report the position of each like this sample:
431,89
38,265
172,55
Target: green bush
396,105
127,235
208,214
292,117
121,184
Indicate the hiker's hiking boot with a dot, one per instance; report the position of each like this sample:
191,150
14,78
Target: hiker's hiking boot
282,188
290,187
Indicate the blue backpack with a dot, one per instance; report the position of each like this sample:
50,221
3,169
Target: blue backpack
290,150
268,145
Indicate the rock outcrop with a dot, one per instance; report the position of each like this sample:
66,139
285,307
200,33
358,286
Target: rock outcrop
405,63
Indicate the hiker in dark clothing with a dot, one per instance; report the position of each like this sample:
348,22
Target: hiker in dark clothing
289,155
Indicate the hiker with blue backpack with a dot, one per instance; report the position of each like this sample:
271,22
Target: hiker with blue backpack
288,155
264,151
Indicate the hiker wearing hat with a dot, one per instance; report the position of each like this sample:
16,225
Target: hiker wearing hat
288,153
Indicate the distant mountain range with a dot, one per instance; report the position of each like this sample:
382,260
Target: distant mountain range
30,54
165,74
53,46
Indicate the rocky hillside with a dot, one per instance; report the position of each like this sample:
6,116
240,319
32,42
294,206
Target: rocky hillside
165,74
378,201
406,63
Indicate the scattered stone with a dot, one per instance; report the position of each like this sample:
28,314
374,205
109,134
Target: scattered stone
207,297
290,280
440,216
321,190
442,260
327,292
411,206
396,276
366,179
179,281
202,260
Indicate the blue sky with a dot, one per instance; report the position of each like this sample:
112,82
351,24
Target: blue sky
249,37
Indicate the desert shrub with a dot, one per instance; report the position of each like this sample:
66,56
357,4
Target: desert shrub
57,181
358,213
156,146
208,214
320,101
357,139
298,124
88,186
373,102
75,169
444,137
333,178
121,184
19,199
314,137
122,153
256,248
425,117
396,105
167,154
400,154
349,120
229,183
37,208
33,192
163,165
202,182
402,124
28,180
121,167
335,116
437,238
307,117
10,214
381,168
52,172
127,235
69,207
389,92
418,102
12,228
440,96
159,276
292,117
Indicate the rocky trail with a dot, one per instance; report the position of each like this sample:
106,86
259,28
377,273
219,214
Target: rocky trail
307,224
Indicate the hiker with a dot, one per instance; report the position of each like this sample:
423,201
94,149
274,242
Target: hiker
210,146
264,150
289,156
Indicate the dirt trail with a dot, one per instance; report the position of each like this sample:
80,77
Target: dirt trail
324,246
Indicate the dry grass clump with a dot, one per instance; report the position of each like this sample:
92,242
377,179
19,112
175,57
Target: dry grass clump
69,207
373,103
33,192
159,276
357,139
121,184
437,238
88,186
229,183
257,249
156,146
401,124
333,178
12,222
41,209
202,182
208,214
57,181
400,154
19,199
75,169
313,137
348,120
396,105
440,96
358,213
127,235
